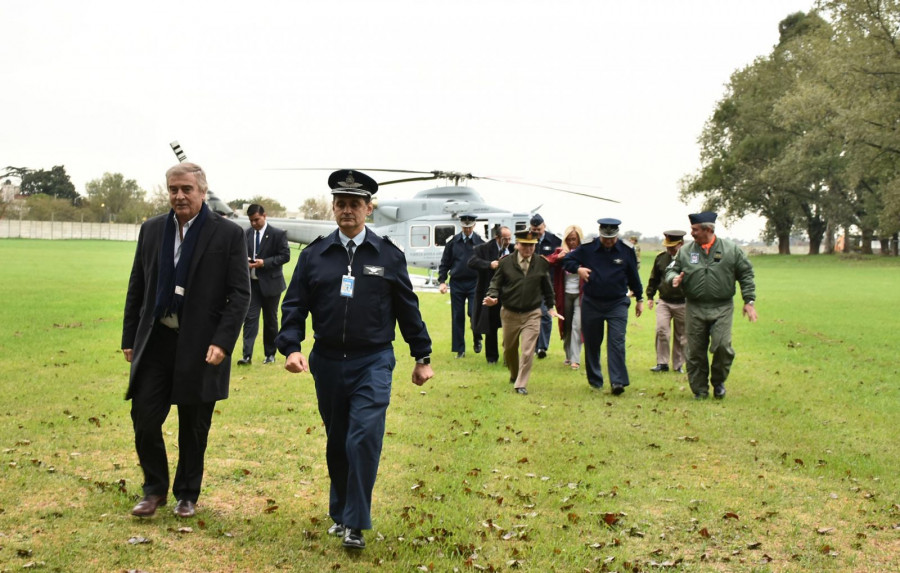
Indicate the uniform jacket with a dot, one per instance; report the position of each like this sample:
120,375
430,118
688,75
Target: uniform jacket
545,247
216,298
559,285
485,318
455,260
710,278
274,252
657,283
613,271
520,292
345,326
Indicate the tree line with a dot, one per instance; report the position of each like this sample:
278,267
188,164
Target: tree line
808,136
50,195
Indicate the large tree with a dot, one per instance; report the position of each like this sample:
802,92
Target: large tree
55,183
862,66
114,194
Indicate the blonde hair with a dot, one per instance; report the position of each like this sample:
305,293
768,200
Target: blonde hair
188,167
578,232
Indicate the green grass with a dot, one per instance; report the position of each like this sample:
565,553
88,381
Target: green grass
795,471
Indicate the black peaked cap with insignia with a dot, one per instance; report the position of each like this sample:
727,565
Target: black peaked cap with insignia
352,182
467,220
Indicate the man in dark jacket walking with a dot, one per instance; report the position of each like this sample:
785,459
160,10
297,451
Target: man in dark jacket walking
187,297
485,260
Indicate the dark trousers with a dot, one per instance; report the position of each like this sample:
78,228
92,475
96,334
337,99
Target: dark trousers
491,348
353,395
269,306
543,342
462,293
150,405
614,314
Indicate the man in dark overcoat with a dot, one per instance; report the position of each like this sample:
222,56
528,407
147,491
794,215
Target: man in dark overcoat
187,297
486,319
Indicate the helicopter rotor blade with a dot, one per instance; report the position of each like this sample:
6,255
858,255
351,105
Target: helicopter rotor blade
569,191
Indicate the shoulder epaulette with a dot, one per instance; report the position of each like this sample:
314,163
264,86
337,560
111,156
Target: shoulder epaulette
316,240
388,240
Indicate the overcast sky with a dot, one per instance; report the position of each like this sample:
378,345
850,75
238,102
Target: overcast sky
612,94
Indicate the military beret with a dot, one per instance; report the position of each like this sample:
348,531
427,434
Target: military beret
536,220
704,217
351,182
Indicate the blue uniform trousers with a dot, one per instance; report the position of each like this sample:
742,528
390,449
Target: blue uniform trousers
461,314
594,314
353,396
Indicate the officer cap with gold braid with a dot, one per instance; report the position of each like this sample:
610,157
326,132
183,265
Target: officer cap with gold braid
352,182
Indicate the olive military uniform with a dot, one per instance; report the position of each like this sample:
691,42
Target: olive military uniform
709,287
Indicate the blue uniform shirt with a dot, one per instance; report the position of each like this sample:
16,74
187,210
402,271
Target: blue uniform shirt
358,325
613,271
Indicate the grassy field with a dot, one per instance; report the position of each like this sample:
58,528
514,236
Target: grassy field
795,471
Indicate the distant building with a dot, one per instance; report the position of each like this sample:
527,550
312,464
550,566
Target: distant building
8,191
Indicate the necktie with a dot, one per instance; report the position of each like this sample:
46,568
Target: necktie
525,263
256,249
350,247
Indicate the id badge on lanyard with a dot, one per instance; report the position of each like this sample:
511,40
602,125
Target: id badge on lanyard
347,283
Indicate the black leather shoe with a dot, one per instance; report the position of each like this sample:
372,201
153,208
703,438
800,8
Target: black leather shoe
521,391
245,361
461,354
185,508
719,391
542,354
477,347
660,368
148,504
491,361
703,396
617,389
269,359
353,539
337,530
680,370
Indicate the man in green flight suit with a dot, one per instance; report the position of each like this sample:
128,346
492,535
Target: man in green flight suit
707,270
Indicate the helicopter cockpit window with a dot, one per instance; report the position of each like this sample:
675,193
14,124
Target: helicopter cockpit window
442,234
418,235
520,225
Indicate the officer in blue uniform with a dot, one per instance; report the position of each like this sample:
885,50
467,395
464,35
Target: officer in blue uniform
357,289
546,245
455,262
608,268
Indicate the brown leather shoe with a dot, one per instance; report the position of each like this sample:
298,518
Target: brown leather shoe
148,504
185,508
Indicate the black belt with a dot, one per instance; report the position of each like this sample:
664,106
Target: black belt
518,311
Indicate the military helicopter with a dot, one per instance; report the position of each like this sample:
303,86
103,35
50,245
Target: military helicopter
420,225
